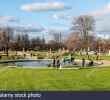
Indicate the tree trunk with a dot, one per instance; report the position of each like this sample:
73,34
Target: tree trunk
7,51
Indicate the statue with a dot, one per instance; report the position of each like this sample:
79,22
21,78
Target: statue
109,53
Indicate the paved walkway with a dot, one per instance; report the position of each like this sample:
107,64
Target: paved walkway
105,63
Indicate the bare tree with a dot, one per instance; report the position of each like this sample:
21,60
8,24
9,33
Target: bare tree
56,43
57,37
72,41
6,38
84,25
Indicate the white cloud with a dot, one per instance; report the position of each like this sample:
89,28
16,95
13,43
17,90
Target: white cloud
28,28
25,28
108,6
8,18
49,6
64,16
45,32
102,16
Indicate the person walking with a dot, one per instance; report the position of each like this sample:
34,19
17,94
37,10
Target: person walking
57,63
97,57
83,62
91,63
53,63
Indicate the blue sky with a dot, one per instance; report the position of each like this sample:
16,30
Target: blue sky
41,16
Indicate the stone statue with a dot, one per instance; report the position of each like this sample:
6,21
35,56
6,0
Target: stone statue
109,53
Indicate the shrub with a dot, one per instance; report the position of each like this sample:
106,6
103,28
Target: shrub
20,57
39,56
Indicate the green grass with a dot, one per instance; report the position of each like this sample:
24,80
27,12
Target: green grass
102,57
4,58
54,79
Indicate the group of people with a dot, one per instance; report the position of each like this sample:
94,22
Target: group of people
91,63
56,62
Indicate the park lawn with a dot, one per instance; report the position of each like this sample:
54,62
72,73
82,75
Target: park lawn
54,79
102,57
